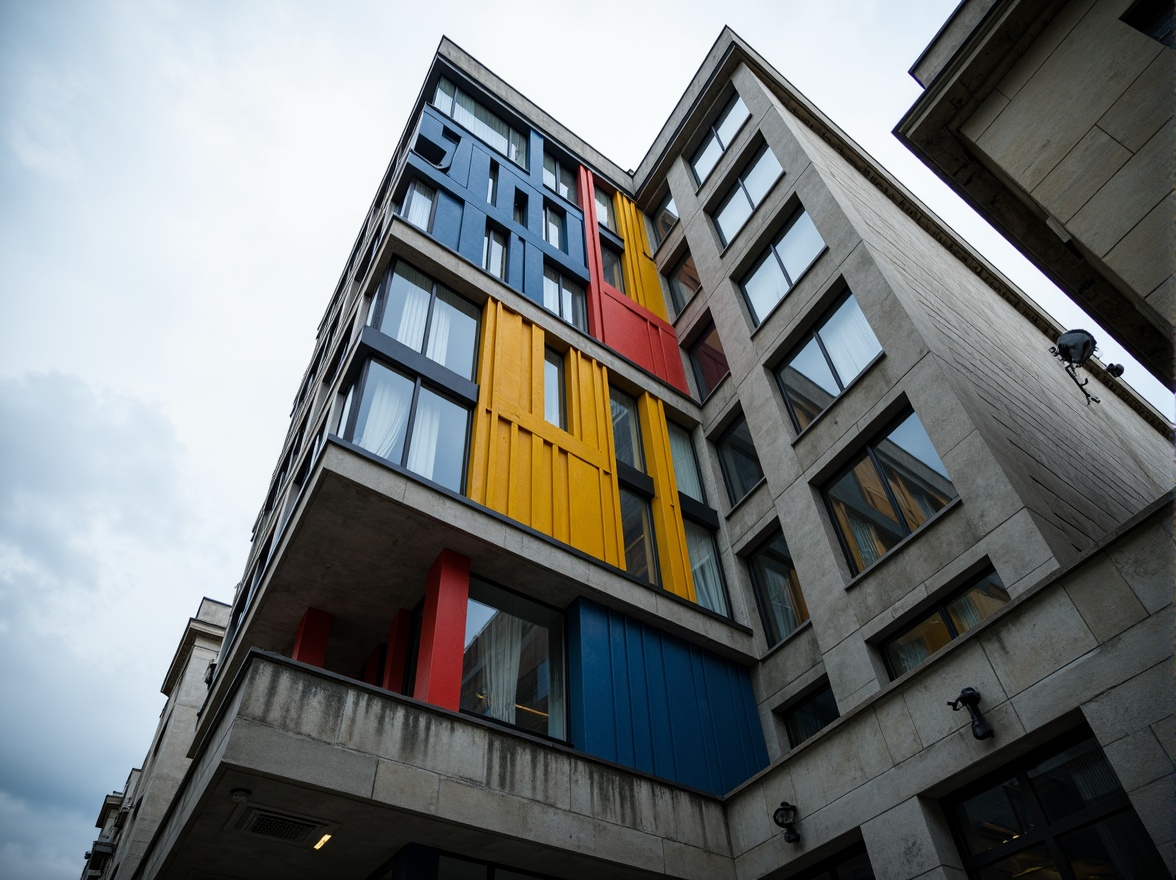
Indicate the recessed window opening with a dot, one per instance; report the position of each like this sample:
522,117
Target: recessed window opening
554,403
777,589
664,219
738,460
749,190
465,110
605,214
565,297
785,260
718,138
707,360
684,283
810,715
559,176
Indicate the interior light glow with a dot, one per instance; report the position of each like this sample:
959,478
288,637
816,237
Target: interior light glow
322,840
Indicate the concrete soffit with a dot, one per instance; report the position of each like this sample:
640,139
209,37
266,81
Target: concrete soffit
193,631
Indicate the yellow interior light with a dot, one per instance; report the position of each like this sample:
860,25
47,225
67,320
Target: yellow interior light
322,840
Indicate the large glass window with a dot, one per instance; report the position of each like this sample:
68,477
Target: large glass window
554,408
708,360
637,527
636,488
786,259
698,519
410,425
614,274
749,190
554,227
958,613
664,219
605,215
719,138
1060,813
494,252
412,308
777,589
559,177
626,430
740,464
810,715
889,491
565,297
684,283
513,668
835,354
686,471
466,111
417,207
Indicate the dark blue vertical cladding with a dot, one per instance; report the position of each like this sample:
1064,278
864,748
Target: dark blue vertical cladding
650,701
458,166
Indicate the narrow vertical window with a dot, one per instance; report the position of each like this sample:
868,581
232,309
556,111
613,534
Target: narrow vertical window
492,184
777,589
664,219
554,403
740,464
559,177
684,283
719,138
494,253
614,273
787,258
417,208
520,207
553,227
636,489
565,298
605,215
626,430
708,360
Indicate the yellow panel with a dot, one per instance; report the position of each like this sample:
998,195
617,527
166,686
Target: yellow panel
641,278
558,482
672,552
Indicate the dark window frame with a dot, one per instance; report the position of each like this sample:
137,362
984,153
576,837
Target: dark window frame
562,166
740,186
618,257
772,252
721,440
805,699
578,295
666,206
633,480
764,548
678,295
704,329
551,210
713,134
698,512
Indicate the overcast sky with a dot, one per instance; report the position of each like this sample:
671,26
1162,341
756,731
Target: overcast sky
180,185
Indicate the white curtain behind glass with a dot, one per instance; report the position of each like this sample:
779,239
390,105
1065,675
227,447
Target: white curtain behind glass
422,451
849,340
502,641
419,205
780,596
408,298
685,466
387,396
708,585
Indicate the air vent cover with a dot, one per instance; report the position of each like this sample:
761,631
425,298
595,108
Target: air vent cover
280,827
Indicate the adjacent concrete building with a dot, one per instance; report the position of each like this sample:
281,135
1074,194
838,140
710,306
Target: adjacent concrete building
1054,121
646,524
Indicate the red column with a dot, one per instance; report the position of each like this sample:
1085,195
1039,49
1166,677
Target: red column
438,672
397,653
310,645
594,294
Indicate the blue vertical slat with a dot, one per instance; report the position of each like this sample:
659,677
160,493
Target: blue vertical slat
638,696
620,676
661,732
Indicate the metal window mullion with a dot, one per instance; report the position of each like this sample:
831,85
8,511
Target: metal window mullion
429,317
780,262
408,429
889,492
357,391
829,361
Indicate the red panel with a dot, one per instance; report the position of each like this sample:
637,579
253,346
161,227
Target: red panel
438,673
587,193
310,645
396,656
643,338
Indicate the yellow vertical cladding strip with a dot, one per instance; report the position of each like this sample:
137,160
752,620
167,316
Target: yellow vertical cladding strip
641,276
557,482
673,555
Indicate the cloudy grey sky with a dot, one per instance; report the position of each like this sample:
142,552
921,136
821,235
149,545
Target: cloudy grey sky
180,184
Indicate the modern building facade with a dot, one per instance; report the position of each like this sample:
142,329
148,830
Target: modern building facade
1054,121
619,508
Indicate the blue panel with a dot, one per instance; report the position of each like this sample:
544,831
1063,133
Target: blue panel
652,702
473,232
459,171
533,273
447,220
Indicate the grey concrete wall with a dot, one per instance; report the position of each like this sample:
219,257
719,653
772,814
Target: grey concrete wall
1082,126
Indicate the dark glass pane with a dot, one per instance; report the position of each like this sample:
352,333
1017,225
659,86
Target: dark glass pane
799,246
777,590
611,266
765,286
1078,778
811,716
1117,848
684,283
863,515
640,559
917,477
857,868
664,220
809,384
626,429
449,868
758,179
704,568
710,363
739,462
383,413
917,644
732,214
995,816
849,340
1034,862
437,450
977,603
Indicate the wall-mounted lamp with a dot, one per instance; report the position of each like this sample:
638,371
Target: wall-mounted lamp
969,698
785,817
1074,348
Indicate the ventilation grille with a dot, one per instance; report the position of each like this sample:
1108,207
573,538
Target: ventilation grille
279,827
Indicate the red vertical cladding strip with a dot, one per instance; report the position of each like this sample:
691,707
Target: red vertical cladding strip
587,194
396,656
374,665
310,645
438,674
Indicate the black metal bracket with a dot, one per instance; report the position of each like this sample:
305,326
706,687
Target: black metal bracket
969,699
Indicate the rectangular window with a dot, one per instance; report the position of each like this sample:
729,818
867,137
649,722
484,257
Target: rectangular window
752,185
684,283
418,312
777,590
559,177
554,408
889,491
614,274
719,138
410,425
492,184
1057,812
737,458
482,123
513,667
686,471
958,613
605,215
786,259
705,570
835,354
494,252
417,207
637,526
664,219
810,715
565,298
708,360
554,224
520,207
626,430
635,488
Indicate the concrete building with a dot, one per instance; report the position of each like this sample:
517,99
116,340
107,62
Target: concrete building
619,508
1054,121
